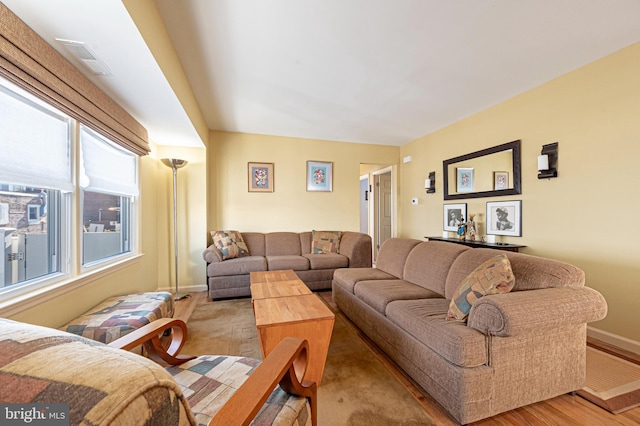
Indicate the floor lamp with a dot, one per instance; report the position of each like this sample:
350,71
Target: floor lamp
175,164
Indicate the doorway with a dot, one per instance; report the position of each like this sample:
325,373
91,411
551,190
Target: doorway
378,210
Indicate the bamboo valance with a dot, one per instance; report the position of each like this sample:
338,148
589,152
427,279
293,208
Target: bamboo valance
30,62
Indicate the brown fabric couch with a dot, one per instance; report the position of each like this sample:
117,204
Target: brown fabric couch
516,348
283,250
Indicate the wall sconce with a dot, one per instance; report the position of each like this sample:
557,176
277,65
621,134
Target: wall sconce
430,183
547,161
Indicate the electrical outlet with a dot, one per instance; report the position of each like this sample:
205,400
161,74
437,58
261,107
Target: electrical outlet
414,201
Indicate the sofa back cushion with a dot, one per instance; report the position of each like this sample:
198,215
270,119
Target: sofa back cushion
429,262
282,243
531,272
393,255
305,242
255,242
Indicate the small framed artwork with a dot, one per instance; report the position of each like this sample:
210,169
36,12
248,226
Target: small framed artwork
464,179
261,177
500,180
454,215
319,176
504,218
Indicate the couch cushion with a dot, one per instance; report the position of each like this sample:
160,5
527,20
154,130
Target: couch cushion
393,254
238,266
531,272
492,277
327,261
282,243
429,262
230,244
377,294
425,320
255,242
325,242
118,316
347,278
209,381
297,263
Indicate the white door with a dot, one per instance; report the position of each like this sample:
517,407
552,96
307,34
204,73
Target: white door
383,209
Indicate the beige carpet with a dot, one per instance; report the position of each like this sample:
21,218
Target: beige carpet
357,389
612,383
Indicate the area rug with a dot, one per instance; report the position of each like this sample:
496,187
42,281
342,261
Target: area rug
357,389
612,382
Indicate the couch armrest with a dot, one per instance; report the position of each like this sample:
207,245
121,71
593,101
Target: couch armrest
357,247
212,254
517,312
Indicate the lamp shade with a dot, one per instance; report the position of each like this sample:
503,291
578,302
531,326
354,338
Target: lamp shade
543,162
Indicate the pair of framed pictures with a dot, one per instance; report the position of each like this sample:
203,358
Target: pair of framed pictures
465,180
319,176
503,217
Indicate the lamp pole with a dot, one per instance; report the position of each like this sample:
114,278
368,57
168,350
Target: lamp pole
175,164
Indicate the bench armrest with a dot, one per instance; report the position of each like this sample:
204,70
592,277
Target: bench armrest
149,336
510,314
286,365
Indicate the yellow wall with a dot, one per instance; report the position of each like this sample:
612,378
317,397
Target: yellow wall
586,216
290,207
192,229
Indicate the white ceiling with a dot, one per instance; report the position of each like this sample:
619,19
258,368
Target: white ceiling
372,71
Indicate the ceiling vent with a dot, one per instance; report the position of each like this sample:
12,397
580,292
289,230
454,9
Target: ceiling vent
84,54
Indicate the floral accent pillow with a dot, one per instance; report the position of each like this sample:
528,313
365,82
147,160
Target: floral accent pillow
230,243
325,242
491,277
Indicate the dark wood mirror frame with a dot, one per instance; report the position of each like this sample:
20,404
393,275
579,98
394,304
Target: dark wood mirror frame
517,189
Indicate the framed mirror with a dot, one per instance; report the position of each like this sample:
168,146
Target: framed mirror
490,172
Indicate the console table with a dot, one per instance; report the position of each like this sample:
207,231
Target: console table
476,244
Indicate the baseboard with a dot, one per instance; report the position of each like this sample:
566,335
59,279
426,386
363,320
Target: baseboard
614,340
186,288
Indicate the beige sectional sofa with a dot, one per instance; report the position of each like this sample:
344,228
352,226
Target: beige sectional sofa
283,250
515,349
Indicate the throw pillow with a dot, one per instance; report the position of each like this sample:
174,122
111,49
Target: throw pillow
325,241
230,243
491,277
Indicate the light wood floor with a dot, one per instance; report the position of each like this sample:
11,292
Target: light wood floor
564,410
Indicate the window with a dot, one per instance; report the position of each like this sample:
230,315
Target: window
109,184
37,194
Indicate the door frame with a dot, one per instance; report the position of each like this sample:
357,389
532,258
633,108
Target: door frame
373,217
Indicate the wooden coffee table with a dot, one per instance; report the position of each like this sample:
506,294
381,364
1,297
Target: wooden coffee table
269,284
291,311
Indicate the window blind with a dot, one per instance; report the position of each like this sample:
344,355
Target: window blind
29,62
106,168
35,144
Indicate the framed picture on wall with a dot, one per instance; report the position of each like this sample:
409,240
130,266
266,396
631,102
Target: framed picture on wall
319,176
454,215
500,180
464,179
260,177
504,218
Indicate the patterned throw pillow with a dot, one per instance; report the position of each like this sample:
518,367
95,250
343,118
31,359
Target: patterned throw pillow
491,277
325,242
230,244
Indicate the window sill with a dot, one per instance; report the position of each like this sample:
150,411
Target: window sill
28,300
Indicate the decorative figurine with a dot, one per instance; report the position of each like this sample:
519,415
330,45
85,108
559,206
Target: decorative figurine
471,227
